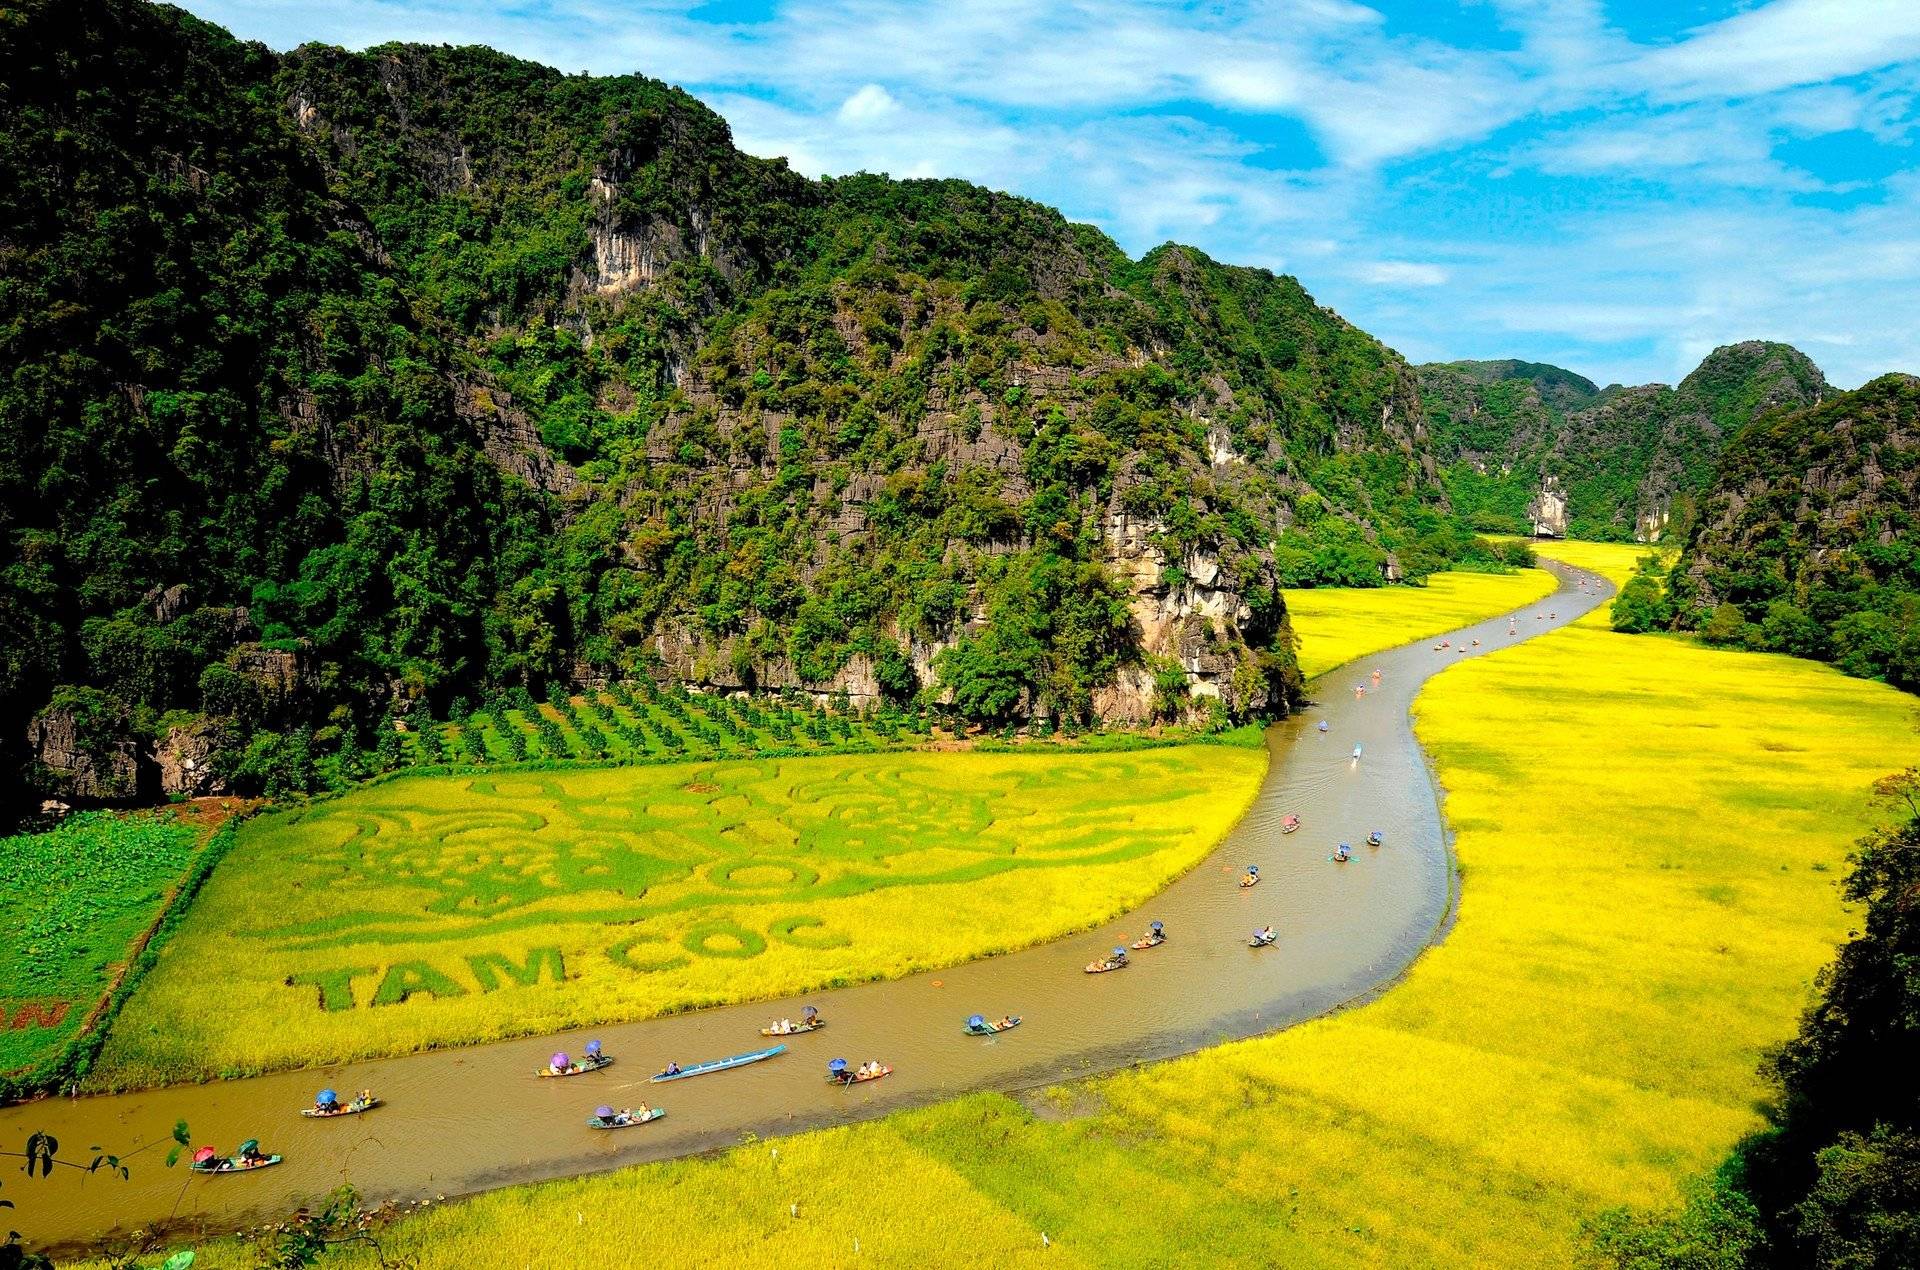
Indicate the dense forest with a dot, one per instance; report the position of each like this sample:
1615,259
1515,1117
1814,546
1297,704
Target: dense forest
336,383
1631,463
1808,540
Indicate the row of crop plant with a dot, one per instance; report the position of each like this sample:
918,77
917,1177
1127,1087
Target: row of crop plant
639,720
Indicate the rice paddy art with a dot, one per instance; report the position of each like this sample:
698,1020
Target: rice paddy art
432,910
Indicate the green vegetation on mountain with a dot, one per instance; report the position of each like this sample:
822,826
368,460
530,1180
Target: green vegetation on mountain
335,381
1631,462
1807,541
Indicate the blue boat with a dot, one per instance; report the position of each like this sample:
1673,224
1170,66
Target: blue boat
717,1065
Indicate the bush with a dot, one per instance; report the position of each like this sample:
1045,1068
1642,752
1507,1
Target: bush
1727,627
1641,607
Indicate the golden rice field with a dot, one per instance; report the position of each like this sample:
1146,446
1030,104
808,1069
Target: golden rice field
1650,833
435,910
1338,624
1614,561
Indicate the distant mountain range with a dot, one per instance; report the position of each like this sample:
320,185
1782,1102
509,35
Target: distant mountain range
1627,464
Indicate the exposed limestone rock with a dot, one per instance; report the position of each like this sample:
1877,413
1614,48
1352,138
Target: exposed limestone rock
167,603
279,675
99,762
510,438
1652,523
185,760
1548,511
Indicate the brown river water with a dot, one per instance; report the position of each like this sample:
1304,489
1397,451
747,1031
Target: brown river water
465,1120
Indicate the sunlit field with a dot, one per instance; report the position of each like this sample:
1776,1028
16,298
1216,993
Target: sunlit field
1338,624
429,911
1614,561
1650,833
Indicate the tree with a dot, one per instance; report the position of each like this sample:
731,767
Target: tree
1640,607
1727,627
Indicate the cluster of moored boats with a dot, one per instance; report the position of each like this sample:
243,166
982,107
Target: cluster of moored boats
327,1104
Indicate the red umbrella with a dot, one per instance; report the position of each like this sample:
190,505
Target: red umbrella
204,1154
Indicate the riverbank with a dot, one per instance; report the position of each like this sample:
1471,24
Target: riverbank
1650,833
1336,625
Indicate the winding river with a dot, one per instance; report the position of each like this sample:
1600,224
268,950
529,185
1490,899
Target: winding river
466,1120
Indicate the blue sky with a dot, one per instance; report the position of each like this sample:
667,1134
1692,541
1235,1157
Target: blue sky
1616,187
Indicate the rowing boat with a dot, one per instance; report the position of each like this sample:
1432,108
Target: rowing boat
585,1065
617,1122
718,1064
795,1030
213,1167
353,1108
989,1029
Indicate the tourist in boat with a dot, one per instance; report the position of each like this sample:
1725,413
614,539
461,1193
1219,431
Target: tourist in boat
782,1027
1006,1021
560,1065
1253,875
1375,838
250,1154
1264,935
673,1069
1343,852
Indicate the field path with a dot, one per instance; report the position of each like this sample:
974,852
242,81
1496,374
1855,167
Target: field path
465,1120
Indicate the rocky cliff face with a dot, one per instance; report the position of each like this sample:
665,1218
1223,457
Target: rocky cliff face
1818,508
91,760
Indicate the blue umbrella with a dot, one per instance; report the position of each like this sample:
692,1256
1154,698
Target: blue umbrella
605,1113
1155,926
809,1012
593,1047
978,1020
327,1098
1119,952
837,1065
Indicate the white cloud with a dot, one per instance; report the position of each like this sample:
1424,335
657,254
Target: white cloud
871,105
1784,44
1404,273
